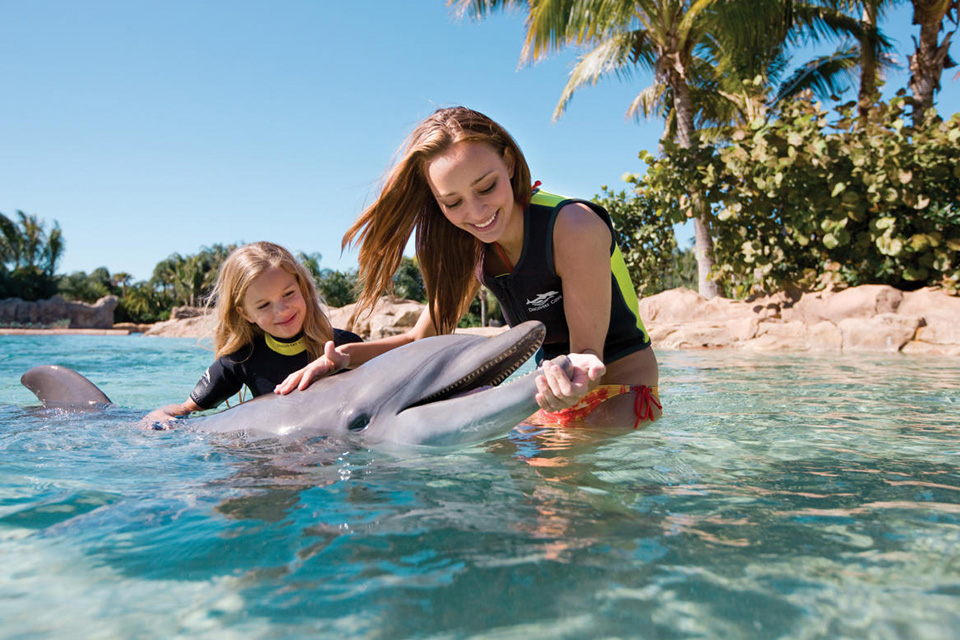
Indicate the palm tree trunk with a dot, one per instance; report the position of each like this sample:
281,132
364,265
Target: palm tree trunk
926,65
683,106
868,58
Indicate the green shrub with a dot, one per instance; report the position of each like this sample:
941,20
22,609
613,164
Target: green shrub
804,200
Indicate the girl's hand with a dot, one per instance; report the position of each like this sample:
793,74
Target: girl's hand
556,390
156,419
159,419
330,362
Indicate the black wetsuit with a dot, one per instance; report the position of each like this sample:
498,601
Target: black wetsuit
533,290
260,365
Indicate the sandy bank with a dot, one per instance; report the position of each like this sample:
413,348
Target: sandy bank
64,332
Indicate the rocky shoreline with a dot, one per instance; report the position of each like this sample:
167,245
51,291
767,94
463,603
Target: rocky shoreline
869,318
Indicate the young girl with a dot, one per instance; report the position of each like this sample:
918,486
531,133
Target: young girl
269,324
464,185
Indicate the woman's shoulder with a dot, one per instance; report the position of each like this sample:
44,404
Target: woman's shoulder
576,213
578,217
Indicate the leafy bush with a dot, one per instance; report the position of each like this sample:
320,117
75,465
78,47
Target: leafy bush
645,235
802,200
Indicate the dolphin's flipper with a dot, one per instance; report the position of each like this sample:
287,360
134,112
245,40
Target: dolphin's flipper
60,387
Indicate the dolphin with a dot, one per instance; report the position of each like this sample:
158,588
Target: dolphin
438,391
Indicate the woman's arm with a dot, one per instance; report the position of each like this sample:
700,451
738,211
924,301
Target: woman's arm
581,248
581,245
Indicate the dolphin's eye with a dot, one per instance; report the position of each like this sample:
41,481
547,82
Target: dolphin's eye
359,423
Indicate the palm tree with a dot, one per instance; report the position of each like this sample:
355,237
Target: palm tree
311,262
188,281
659,35
121,280
52,250
25,244
864,48
932,54
32,240
9,241
164,274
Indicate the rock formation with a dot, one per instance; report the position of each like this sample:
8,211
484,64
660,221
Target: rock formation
865,318
56,311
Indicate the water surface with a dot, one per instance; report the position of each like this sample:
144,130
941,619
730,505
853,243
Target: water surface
781,496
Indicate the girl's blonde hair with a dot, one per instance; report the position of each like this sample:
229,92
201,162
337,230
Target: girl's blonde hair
238,271
447,255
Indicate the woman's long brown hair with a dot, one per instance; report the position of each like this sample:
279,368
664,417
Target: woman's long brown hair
447,255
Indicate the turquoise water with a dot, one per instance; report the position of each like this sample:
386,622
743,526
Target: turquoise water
782,496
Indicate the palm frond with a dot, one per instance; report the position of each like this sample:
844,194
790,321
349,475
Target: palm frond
826,76
478,9
693,17
814,23
10,240
618,55
649,102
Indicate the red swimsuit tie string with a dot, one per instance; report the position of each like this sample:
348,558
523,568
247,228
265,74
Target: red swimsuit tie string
642,404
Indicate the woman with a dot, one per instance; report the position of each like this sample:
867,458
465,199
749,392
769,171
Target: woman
464,185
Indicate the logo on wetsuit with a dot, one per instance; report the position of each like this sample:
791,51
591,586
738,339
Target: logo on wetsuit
543,300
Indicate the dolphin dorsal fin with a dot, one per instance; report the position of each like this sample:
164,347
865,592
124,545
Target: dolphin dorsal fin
61,387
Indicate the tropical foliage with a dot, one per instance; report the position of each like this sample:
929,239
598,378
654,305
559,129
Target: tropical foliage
28,257
645,237
408,281
185,281
698,53
722,63
810,199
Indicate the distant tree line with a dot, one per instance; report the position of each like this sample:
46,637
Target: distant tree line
30,255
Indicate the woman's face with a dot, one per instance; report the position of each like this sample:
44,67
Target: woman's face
471,183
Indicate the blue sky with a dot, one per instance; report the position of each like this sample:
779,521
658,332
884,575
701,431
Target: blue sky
150,128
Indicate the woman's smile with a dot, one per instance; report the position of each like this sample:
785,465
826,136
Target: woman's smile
471,183
486,223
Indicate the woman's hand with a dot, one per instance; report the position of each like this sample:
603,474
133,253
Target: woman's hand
330,362
556,390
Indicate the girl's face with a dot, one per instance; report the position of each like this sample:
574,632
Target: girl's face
274,303
471,183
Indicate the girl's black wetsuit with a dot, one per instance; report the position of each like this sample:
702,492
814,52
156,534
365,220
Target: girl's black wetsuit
260,365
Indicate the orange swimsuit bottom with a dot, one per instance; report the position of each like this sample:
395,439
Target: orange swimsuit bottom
645,399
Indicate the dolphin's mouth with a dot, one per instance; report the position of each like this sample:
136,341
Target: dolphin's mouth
491,373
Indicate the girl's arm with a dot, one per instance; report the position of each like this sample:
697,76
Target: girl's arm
354,354
164,415
581,247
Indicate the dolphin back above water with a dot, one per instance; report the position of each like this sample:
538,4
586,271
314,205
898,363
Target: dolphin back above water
444,390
